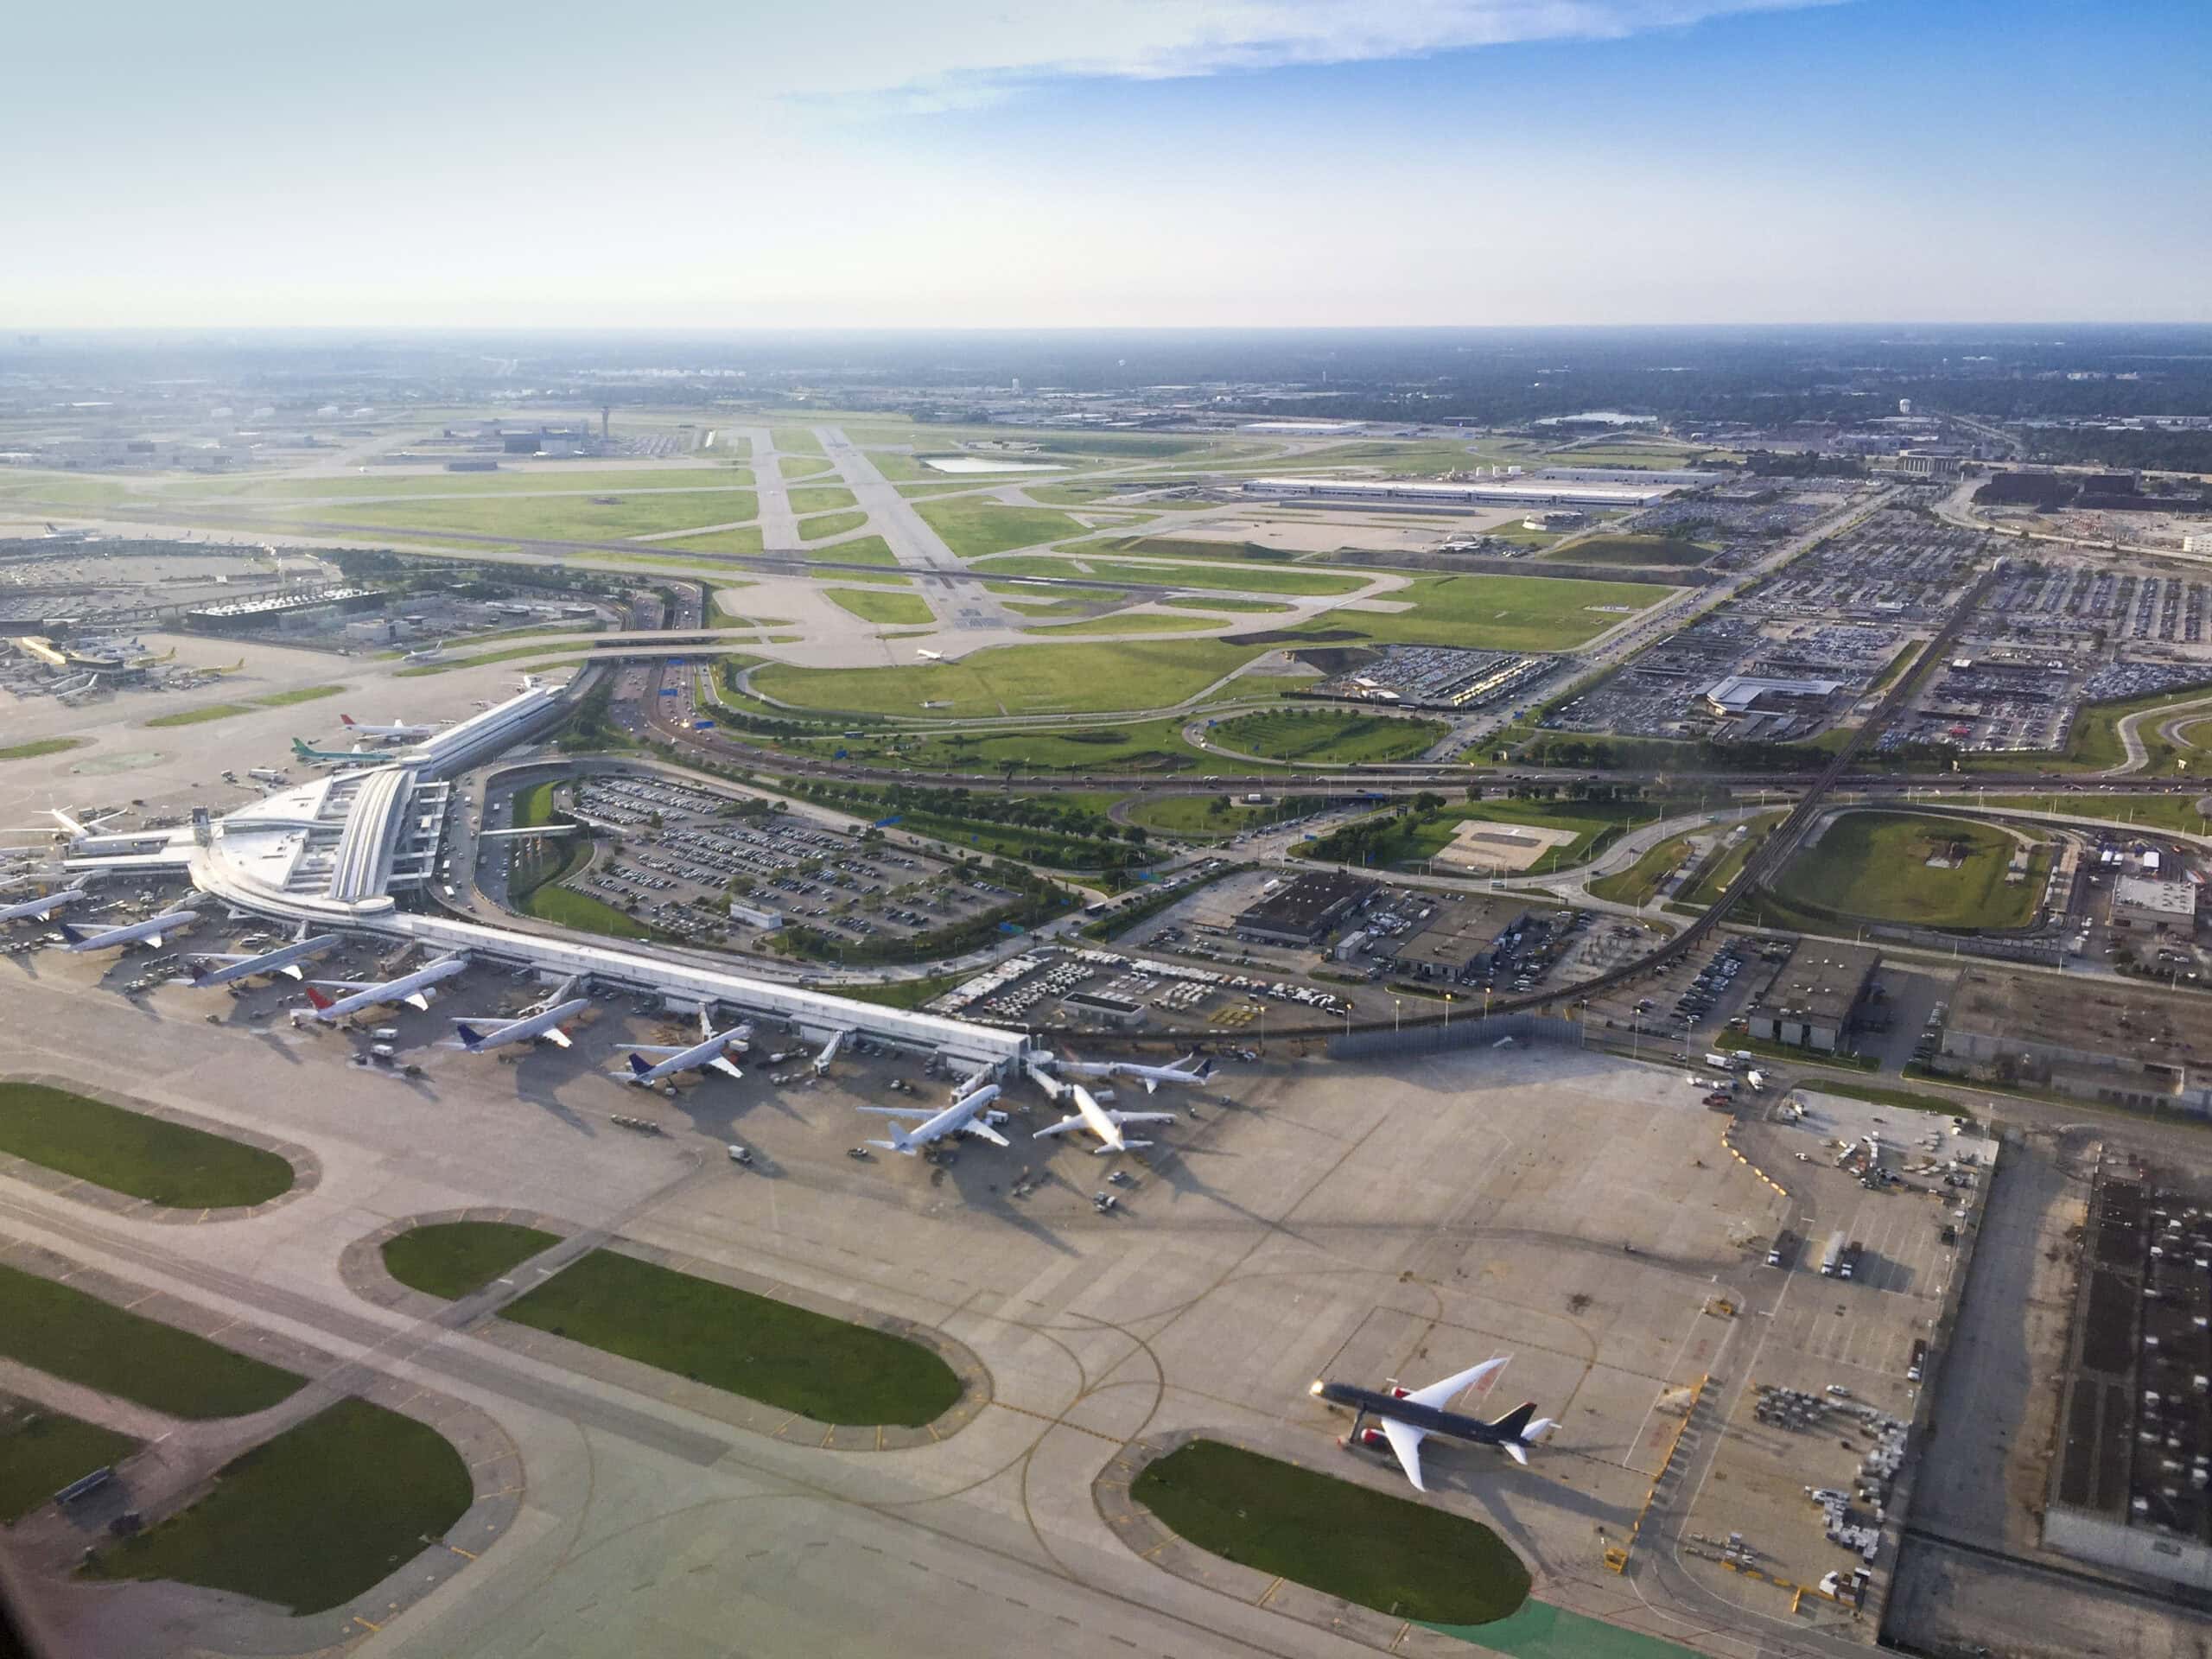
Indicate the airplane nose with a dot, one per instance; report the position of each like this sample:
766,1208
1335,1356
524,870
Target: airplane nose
1316,1389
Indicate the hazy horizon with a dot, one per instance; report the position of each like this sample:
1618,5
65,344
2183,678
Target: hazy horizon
1249,163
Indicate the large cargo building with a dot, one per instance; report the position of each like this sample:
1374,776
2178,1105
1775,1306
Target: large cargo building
1483,493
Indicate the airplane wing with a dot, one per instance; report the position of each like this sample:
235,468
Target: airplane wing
1060,1127
978,1127
1405,1441
897,1111
722,1063
1142,1117
1436,1394
345,984
153,939
556,1036
1151,1085
417,1000
663,1049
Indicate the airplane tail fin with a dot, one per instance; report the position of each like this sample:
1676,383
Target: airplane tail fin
470,1036
1205,1070
70,933
638,1066
345,719
317,998
906,1147
1515,1423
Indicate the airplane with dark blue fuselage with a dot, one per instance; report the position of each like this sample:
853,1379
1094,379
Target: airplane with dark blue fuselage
1406,1417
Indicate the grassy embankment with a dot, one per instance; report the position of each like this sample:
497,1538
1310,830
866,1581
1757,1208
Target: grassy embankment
140,1156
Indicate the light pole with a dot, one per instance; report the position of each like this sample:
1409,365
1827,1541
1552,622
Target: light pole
1447,1010
1395,1008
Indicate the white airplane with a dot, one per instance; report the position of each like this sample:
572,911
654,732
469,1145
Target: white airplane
966,1116
411,989
1106,1125
1188,1070
153,931
285,959
37,910
55,533
545,1023
929,655
711,1051
430,653
1408,1416
395,732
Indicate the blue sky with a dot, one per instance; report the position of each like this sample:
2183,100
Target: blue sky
1107,163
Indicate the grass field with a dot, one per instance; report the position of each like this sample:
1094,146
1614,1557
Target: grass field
305,694
570,908
130,1152
1142,746
796,441
1875,865
783,1356
1400,1557
1409,841
604,481
1258,579
862,550
51,1327
874,605
1104,495
1662,550
201,715
41,1452
1494,613
2159,811
1206,817
42,746
743,541
565,517
446,666
1878,1096
312,1518
1225,602
1133,622
1018,679
822,498
909,994
973,528
1718,876
1640,883
793,467
829,524
1328,735
453,1259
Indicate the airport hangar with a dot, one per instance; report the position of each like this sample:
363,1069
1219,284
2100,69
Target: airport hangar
332,853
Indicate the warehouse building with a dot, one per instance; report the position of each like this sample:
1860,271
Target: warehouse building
2156,906
1307,910
1483,493
1747,694
1815,996
2106,1041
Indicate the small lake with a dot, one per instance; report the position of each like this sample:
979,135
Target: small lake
985,464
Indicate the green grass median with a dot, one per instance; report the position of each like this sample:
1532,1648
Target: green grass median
829,1369
1397,1556
41,1452
140,1156
453,1259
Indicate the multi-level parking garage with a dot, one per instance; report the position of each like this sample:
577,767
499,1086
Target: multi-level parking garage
337,851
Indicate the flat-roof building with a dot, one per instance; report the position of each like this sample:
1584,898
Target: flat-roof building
2106,1040
2147,902
1307,909
1744,694
1484,492
1814,995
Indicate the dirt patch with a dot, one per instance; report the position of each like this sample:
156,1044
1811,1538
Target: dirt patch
1337,659
1284,637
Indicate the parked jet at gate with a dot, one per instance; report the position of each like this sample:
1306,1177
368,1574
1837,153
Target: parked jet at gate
1408,1416
711,1051
37,910
340,757
1188,1070
545,1022
395,732
152,932
966,1116
411,988
1106,1125
285,959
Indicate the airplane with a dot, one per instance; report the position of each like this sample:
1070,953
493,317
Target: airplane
430,653
929,655
1189,1069
411,989
710,1052
966,1116
285,959
545,1023
37,910
221,669
153,930
311,757
55,533
1408,1416
1106,1125
392,734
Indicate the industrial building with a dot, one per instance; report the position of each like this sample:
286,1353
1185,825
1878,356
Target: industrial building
1307,909
1814,995
277,611
2144,901
1508,492
1747,694
2107,1041
2129,1486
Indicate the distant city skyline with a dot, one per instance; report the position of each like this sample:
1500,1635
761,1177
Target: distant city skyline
1115,164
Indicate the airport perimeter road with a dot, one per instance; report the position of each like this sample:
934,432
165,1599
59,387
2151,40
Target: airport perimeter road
964,605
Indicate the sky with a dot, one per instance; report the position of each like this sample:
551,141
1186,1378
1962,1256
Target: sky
1099,163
